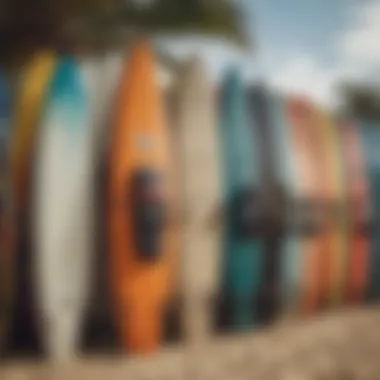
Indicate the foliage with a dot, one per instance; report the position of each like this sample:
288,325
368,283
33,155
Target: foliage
362,100
26,23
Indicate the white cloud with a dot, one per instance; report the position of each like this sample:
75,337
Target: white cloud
359,45
217,53
357,50
302,74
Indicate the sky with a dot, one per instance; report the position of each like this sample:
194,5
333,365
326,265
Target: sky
301,46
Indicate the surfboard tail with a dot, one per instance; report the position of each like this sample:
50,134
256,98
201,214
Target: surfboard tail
142,327
198,319
61,335
309,293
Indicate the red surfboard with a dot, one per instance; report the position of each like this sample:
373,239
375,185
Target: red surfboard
358,204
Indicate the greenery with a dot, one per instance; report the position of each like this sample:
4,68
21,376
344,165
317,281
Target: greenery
86,23
362,100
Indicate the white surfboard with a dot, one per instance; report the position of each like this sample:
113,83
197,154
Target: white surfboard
199,170
63,204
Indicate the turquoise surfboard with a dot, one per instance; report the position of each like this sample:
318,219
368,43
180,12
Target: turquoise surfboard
289,280
241,251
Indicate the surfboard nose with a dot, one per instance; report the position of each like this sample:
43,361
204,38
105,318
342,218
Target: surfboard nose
66,77
195,66
231,88
141,55
232,78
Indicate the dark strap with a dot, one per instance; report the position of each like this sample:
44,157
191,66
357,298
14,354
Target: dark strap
148,212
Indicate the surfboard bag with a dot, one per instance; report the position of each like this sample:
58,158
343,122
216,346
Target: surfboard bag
148,212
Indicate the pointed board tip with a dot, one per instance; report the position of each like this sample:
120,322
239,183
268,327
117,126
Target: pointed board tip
142,48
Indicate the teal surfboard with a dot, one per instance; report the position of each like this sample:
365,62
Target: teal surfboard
369,133
62,205
242,250
7,258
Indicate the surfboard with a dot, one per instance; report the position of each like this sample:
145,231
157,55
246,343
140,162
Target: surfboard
103,72
242,253
93,70
308,197
7,241
357,199
62,200
33,83
289,276
334,260
31,87
143,245
369,132
272,198
199,170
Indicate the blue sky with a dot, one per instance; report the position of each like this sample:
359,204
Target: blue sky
303,46
295,25
289,26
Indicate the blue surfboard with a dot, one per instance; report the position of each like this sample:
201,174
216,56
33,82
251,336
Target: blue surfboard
7,257
242,252
282,259
369,133
272,194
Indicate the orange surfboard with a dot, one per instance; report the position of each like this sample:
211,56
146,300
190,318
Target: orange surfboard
301,120
142,240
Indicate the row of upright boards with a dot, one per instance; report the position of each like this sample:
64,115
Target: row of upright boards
239,203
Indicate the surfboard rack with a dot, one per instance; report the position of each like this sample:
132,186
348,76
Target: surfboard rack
338,345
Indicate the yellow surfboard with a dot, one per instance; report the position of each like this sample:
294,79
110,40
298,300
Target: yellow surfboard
32,85
335,260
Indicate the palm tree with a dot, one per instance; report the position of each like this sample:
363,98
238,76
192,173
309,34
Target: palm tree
66,23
